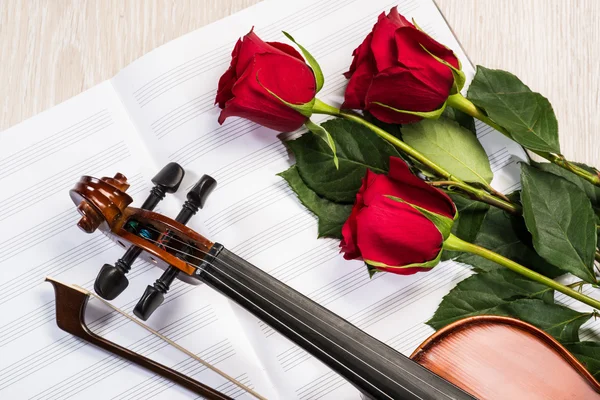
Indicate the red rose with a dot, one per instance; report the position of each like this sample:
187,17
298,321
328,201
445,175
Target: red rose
391,67
279,68
392,234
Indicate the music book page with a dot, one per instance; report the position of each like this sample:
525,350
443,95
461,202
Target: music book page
161,109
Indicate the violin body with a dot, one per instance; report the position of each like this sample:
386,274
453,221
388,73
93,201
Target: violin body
480,357
495,357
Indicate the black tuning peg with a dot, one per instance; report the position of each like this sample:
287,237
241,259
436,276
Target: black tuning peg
111,280
154,295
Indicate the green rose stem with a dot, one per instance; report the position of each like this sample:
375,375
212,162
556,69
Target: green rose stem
459,102
476,193
455,244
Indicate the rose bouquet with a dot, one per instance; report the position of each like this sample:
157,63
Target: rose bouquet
397,173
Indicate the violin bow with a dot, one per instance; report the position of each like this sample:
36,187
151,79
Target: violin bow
71,303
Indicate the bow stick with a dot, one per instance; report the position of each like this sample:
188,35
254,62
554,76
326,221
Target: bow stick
71,303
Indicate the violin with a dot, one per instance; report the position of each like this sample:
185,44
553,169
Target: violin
484,357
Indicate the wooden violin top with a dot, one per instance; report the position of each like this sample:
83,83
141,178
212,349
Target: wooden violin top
495,357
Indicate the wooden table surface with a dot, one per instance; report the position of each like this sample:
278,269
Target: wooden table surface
51,50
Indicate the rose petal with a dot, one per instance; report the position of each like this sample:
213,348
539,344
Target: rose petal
412,55
383,44
396,234
401,89
415,191
397,18
287,49
349,229
289,78
358,86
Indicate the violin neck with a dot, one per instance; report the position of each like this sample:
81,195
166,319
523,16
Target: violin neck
376,369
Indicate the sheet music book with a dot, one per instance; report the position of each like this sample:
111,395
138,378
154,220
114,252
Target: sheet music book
161,109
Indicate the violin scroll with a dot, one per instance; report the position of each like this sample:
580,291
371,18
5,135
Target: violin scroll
100,200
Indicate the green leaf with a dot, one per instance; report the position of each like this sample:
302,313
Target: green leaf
331,216
357,149
561,221
470,217
463,119
452,147
371,270
588,353
393,129
526,115
508,294
507,235
591,191
319,79
483,293
323,134
561,322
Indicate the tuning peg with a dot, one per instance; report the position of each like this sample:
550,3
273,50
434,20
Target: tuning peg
154,295
111,280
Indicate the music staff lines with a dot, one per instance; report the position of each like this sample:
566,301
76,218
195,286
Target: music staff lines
145,346
320,386
150,387
232,390
188,153
248,164
482,129
50,228
175,115
45,314
191,109
340,287
37,234
55,266
219,58
500,159
205,102
55,142
273,235
325,250
62,180
402,298
237,128
247,207
46,356
408,340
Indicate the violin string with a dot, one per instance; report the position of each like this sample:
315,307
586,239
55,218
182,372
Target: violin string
177,346
292,330
288,301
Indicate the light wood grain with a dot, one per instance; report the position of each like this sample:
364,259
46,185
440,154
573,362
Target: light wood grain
51,50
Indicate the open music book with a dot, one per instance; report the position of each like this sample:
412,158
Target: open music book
161,109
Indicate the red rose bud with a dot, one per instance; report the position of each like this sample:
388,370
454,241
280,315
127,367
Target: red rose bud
398,223
400,74
258,67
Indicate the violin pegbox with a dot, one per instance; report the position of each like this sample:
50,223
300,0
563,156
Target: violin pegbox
111,280
103,204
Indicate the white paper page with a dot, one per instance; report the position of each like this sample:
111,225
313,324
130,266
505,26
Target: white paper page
40,160
169,94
